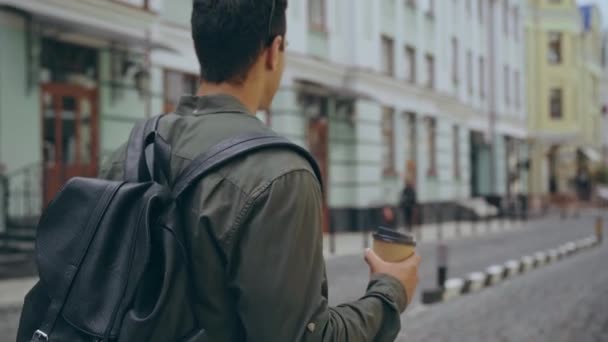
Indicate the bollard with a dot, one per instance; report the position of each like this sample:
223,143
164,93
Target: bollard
504,214
599,229
439,223
474,223
332,241
417,222
457,219
489,223
442,265
366,231
364,222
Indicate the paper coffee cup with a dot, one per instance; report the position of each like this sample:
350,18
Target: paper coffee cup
393,246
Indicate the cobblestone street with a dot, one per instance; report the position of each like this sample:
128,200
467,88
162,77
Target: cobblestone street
565,301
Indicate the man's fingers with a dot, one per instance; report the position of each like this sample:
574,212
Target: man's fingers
415,259
372,259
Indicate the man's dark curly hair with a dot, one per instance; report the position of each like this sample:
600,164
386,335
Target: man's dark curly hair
229,35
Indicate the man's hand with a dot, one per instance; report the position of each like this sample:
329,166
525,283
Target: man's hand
406,271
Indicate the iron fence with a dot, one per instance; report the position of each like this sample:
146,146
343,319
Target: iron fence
24,195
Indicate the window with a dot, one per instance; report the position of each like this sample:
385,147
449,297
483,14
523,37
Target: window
456,151
516,23
411,3
482,77
470,71
177,84
554,53
455,61
316,15
432,143
505,17
507,85
430,68
388,141
431,10
410,64
555,103
388,56
517,89
480,10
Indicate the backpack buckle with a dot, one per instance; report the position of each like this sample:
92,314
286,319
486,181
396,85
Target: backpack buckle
40,336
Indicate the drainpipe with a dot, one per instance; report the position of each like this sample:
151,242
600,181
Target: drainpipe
148,68
1,44
492,96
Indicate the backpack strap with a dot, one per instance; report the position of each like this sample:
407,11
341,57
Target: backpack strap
233,148
141,166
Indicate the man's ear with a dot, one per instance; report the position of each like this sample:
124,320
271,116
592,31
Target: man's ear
273,53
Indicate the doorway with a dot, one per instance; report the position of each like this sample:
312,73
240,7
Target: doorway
70,141
318,143
552,167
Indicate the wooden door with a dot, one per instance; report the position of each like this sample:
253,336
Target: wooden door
69,135
318,142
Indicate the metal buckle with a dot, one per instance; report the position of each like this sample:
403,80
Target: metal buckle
40,336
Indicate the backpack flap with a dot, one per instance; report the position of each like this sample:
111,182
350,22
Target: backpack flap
65,231
108,245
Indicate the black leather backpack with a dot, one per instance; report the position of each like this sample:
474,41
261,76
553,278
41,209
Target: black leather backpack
111,256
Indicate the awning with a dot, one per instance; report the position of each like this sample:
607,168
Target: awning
554,138
326,90
591,154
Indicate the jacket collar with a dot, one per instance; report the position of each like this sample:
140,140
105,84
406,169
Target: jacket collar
210,104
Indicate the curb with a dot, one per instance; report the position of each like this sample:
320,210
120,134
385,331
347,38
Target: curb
451,231
496,274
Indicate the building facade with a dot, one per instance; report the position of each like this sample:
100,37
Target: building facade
604,99
379,91
564,44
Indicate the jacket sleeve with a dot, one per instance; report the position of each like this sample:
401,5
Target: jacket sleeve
278,274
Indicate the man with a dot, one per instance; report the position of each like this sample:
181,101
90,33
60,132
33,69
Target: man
408,203
255,225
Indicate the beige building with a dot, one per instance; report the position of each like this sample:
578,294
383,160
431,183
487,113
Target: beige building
564,73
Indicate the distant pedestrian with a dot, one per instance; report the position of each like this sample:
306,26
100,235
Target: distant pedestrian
408,202
583,184
389,219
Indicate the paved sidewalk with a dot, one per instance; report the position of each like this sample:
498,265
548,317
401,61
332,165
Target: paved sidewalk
356,242
13,291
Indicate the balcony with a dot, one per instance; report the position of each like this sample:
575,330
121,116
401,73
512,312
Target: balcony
124,21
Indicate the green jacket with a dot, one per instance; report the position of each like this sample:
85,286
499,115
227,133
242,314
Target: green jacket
256,240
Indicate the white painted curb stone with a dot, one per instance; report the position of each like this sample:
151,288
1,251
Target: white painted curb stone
495,272
477,280
528,263
513,268
570,247
552,255
541,258
453,288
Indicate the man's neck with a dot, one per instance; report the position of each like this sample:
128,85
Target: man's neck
241,93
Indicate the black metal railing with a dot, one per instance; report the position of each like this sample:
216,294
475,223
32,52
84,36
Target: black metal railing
25,195
22,201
